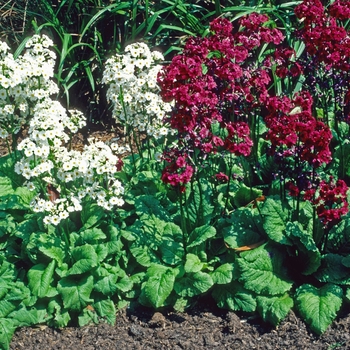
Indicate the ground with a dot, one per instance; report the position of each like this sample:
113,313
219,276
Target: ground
202,327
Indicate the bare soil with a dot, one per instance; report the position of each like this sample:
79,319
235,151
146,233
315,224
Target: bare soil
203,327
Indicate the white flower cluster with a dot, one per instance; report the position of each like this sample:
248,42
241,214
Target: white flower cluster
63,178
75,175
133,89
24,81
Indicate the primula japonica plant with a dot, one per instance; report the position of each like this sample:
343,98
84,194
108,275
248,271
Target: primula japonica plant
254,212
60,247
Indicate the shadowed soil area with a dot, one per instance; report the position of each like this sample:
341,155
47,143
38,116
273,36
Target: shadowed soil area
203,327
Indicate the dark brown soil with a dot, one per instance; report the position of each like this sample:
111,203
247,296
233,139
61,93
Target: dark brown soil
200,328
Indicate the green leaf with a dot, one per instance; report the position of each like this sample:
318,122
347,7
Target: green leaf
274,309
125,284
85,257
107,285
40,277
200,234
244,228
147,205
87,317
193,263
332,270
172,252
223,274
106,309
193,284
56,253
7,330
76,293
142,254
25,318
275,216
200,208
245,195
263,270
234,296
90,236
114,244
339,238
6,307
159,285
7,273
308,254
5,187
25,196
91,215
319,306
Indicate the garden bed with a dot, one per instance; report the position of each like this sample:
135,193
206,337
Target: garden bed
200,328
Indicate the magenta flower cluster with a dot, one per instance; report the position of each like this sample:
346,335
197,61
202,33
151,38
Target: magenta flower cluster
330,200
325,40
295,133
211,82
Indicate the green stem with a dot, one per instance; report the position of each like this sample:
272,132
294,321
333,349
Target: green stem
183,219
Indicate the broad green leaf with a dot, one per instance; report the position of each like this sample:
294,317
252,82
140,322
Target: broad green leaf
7,225
339,238
5,187
87,317
114,244
263,270
6,307
199,209
107,285
346,261
274,309
91,215
85,259
193,263
159,285
147,205
7,273
106,310
40,277
319,306
244,228
25,318
153,226
90,236
142,254
308,255
101,251
234,296
7,330
347,295
200,235
76,293
332,270
223,274
172,252
245,195
25,196
125,284
173,232
56,253
193,284
275,216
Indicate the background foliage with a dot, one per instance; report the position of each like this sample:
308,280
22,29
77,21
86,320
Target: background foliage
86,33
